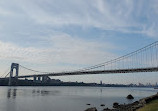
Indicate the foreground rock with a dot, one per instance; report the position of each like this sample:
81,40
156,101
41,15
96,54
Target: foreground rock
107,109
129,107
88,104
135,105
148,99
115,105
102,105
91,109
130,97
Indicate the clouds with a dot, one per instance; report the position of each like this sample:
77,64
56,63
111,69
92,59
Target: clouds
73,34
63,49
105,15
30,23
82,13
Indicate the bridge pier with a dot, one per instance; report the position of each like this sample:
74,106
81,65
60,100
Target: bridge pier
13,80
39,78
43,78
34,78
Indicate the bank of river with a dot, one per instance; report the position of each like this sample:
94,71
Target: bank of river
152,106
145,104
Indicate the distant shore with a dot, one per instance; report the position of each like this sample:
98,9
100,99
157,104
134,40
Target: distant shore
57,82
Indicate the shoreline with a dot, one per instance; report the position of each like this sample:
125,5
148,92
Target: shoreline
129,107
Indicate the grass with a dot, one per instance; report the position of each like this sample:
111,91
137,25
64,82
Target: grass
153,106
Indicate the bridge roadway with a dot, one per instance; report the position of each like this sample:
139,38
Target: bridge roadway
150,69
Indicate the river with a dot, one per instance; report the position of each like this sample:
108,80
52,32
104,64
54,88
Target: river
66,98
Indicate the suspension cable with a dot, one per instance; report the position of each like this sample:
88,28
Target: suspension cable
33,70
5,72
134,53
120,58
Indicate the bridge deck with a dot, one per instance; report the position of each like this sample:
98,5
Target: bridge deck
151,69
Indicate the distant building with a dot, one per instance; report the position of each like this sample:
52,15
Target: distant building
101,83
140,84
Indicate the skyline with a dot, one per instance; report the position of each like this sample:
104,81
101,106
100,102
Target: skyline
54,35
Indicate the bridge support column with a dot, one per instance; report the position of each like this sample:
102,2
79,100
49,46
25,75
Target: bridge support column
39,78
16,67
43,78
34,78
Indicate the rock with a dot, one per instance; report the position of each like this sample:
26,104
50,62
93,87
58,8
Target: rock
132,106
130,97
136,102
102,105
91,109
142,101
115,105
106,109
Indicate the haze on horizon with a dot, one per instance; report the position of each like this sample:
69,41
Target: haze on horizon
55,35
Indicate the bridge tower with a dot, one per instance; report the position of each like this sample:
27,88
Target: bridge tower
16,67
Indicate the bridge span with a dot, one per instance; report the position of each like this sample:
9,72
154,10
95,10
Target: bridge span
141,60
151,69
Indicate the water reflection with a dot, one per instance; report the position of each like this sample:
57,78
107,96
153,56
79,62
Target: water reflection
37,92
101,101
11,93
66,98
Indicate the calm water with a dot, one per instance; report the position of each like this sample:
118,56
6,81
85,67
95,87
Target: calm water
66,98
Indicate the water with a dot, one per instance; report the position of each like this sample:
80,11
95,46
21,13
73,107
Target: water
66,98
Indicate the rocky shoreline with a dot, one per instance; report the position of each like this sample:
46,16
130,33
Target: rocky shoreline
128,107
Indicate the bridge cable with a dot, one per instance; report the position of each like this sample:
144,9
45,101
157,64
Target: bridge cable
122,57
33,70
110,63
5,72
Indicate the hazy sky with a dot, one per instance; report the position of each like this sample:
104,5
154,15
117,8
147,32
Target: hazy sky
59,35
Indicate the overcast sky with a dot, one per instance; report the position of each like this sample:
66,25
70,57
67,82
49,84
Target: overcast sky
61,35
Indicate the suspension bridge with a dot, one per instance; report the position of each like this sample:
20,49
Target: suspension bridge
141,60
